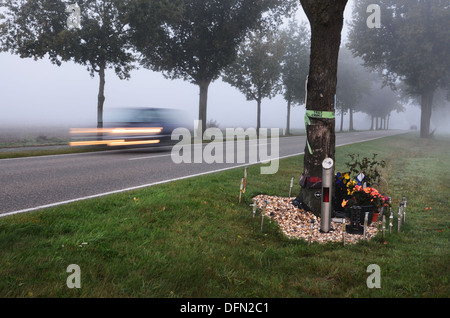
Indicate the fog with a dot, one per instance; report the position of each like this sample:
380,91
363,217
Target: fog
38,93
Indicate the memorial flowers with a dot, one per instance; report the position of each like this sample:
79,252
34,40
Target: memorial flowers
357,186
364,196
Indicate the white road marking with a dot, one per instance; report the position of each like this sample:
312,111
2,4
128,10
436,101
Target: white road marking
148,157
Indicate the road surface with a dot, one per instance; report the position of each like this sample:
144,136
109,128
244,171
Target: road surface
28,184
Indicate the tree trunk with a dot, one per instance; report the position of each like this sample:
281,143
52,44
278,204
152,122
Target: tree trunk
351,120
101,96
425,120
203,104
258,115
371,122
342,121
326,20
288,120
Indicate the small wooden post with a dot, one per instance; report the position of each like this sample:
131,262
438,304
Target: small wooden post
404,209
311,228
366,220
262,215
241,189
292,185
344,228
254,205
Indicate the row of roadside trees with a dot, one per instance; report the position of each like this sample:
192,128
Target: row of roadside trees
190,39
197,41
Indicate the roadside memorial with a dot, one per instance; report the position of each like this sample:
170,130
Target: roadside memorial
359,212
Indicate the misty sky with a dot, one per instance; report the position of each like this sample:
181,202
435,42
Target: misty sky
38,93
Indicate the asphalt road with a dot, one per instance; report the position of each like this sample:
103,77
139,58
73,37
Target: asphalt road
28,184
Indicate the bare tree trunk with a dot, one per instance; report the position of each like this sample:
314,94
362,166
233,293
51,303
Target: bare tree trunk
326,20
351,119
203,103
288,120
101,96
342,121
258,115
425,120
371,122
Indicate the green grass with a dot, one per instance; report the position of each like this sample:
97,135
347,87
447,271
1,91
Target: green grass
192,238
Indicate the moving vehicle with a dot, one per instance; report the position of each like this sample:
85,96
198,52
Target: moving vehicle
124,127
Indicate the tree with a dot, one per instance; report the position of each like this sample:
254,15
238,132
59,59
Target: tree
295,65
326,19
411,46
379,102
203,40
256,71
354,81
39,28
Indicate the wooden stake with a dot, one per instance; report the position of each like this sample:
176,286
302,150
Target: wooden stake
292,185
366,220
241,189
310,232
262,215
344,228
245,180
391,219
254,205
404,209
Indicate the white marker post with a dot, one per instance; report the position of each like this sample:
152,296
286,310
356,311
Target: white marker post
327,193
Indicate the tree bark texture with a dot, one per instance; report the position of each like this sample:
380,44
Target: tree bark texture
258,115
288,119
203,103
101,96
351,128
326,20
425,119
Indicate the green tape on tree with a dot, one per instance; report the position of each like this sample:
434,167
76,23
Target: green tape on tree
315,114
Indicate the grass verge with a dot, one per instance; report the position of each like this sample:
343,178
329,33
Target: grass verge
192,238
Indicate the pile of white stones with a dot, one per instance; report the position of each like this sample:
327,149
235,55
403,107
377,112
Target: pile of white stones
296,223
